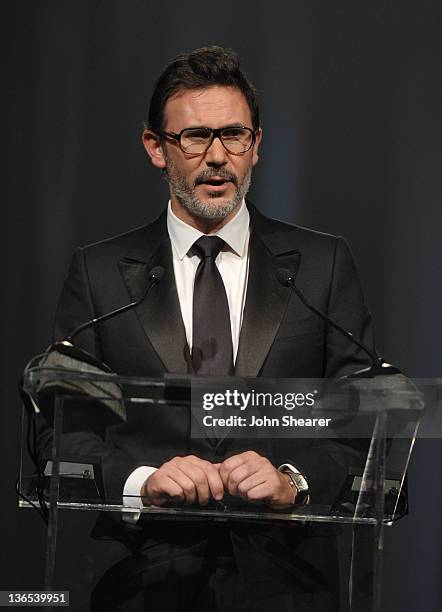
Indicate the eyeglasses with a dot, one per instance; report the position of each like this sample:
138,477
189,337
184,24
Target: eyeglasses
236,140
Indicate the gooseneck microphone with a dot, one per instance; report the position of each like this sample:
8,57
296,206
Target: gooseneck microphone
153,278
287,279
64,354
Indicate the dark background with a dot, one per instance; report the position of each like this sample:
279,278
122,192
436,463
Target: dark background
349,101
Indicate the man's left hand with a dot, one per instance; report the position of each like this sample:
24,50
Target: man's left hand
252,477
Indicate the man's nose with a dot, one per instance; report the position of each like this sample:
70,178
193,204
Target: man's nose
216,155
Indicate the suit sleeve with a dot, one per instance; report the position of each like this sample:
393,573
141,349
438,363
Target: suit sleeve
76,307
346,306
325,463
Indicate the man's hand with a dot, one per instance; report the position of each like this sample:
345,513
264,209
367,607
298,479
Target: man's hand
183,479
253,478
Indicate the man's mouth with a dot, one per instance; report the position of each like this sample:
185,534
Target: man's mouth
216,183
215,180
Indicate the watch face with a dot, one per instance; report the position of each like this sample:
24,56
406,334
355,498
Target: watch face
299,482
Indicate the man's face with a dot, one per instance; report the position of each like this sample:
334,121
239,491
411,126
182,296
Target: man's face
211,185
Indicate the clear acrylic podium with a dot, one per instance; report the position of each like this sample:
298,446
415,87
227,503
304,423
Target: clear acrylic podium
77,419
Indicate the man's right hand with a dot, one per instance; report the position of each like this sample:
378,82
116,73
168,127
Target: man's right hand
183,479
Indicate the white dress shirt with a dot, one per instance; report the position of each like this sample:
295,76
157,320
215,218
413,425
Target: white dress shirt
233,265
232,262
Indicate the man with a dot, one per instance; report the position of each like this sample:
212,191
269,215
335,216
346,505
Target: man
219,309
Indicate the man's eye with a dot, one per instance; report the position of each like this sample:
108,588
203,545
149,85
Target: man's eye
233,133
196,134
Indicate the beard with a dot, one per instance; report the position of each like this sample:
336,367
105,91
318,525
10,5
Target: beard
188,198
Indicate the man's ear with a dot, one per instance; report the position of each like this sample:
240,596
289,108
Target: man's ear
258,138
152,144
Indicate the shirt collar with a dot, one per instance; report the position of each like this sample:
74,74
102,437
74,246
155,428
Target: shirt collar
234,233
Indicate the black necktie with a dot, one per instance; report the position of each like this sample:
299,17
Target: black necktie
212,352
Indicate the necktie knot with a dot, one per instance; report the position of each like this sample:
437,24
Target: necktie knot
208,246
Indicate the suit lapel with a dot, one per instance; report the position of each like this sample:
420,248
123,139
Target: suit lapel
159,313
266,299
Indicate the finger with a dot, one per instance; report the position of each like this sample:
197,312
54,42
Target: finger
184,480
228,466
260,493
237,476
246,485
162,490
199,481
215,483
216,487
246,458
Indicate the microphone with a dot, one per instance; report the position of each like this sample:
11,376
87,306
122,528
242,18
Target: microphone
287,279
153,278
65,355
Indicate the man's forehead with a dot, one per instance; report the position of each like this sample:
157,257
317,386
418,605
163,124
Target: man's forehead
213,106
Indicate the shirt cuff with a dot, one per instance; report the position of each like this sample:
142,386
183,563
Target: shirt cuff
132,502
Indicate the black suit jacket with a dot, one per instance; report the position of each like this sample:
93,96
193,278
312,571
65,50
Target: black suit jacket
280,338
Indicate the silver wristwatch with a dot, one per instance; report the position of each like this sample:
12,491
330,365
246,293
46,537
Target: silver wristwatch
298,482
